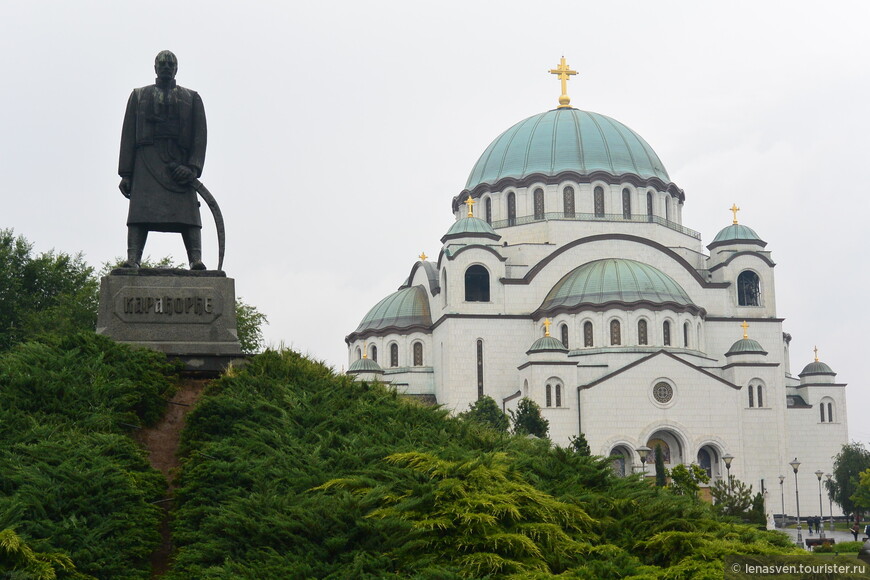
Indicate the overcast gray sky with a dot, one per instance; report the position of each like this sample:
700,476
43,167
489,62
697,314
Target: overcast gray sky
339,132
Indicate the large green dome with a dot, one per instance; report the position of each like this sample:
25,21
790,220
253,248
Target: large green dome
566,140
616,280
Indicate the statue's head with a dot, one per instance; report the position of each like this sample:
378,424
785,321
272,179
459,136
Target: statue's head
165,65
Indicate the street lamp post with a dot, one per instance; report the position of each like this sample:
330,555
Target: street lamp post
819,474
828,477
643,451
794,465
728,458
782,499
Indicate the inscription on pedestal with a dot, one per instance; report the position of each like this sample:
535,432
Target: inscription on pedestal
168,305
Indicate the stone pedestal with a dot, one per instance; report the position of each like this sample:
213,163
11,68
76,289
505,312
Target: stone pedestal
186,314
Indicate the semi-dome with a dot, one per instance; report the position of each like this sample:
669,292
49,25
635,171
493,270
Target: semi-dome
547,344
406,308
746,346
736,233
364,365
566,140
616,280
470,227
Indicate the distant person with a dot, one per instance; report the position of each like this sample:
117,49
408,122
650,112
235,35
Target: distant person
855,529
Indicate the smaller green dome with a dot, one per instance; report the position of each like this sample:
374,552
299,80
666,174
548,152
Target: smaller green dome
470,227
364,365
817,368
402,309
547,344
745,346
737,233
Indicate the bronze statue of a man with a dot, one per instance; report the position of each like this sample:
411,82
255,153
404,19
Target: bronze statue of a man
162,153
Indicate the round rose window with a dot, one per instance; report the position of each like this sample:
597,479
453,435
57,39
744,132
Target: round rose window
663,392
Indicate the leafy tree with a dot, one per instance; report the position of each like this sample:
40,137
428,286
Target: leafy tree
528,419
579,445
861,497
687,480
735,500
486,412
44,293
249,325
852,459
661,471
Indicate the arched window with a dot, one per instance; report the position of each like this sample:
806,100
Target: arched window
476,284
599,201
358,353
666,333
751,391
512,209
641,332
626,204
667,208
760,396
568,201
444,285
587,334
418,354
394,355
564,331
558,395
539,204
479,369
373,353
548,394
826,404
686,334
748,288
822,412
615,333
649,206
487,209
830,412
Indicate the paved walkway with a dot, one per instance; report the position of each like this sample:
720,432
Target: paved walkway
838,535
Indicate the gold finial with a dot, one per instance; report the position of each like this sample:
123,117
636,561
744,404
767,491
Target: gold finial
816,352
423,256
547,324
563,71
470,202
365,350
734,209
745,326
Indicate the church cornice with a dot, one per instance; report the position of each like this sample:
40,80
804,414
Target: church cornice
643,304
388,330
451,255
655,354
736,255
542,363
714,245
759,364
573,176
536,269
741,318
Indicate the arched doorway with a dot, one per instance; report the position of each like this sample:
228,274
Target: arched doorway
672,448
710,461
621,460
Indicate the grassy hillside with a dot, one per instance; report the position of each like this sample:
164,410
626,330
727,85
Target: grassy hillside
72,480
293,472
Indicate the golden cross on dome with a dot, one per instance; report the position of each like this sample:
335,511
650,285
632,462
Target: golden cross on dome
365,350
563,71
816,352
734,209
470,202
745,326
423,256
547,324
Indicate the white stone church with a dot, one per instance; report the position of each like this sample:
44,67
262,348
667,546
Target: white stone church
569,278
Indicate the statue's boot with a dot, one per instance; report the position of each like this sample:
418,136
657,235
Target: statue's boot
193,243
136,238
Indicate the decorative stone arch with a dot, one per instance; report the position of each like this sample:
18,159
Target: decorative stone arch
622,459
827,410
709,458
758,388
674,437
554,386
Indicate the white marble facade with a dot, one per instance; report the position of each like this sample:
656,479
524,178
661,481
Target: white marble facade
610,265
